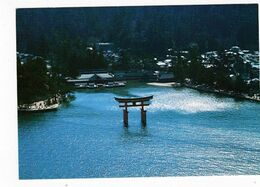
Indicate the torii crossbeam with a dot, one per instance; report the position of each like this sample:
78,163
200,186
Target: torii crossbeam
134,102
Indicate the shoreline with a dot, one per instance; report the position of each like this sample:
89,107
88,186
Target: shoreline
222,92
49,104
206,90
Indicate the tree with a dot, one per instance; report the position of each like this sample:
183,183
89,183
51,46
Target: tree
124,60
180,69
239,85
36,82
32,80
195,67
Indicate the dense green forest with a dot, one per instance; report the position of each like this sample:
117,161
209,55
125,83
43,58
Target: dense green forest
36,82
145,30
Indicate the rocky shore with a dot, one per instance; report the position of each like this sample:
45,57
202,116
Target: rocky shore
51,103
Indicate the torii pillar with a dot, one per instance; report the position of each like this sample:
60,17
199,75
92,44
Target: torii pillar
134,102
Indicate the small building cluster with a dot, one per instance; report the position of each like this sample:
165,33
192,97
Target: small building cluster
242,63
95,79
238,63
164,66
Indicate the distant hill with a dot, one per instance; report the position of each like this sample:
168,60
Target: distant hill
143,29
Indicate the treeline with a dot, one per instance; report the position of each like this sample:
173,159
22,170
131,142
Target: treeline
144,30
73,55
36,82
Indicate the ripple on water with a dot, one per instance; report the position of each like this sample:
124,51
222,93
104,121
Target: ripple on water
188,102
183,101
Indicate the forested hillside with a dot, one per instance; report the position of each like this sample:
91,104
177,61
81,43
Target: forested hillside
144,30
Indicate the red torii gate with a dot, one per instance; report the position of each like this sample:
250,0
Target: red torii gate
134,102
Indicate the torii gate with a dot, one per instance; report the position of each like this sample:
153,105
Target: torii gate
134,102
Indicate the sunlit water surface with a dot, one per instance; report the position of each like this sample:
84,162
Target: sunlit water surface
188,134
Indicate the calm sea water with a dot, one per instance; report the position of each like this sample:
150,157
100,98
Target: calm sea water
188,134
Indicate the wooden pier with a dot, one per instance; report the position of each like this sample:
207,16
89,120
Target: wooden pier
134,102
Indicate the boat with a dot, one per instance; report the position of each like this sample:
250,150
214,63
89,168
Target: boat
176,85
91,85
94,85
38,108
120,84
80,85
114,84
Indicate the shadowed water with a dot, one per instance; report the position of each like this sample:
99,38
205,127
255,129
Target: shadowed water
187,134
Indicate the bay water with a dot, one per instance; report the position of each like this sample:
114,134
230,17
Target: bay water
188,133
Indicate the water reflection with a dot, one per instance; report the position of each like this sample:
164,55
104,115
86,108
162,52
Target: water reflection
36,116
128,133
185,101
